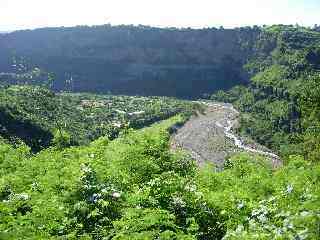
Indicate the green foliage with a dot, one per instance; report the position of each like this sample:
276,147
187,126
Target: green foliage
130,185
24,76
88,191
281,105
262,204
36,115
61,139
93,206
148,224
280,109
276,74
130,59
134,187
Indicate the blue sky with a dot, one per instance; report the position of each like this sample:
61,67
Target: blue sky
22,14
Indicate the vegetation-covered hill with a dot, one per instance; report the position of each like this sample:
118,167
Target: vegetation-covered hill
135,188
282,103
132,60
132,185
36,115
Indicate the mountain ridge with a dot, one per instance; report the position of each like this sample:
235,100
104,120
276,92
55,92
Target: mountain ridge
134,60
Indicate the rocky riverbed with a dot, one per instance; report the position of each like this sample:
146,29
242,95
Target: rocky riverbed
210,136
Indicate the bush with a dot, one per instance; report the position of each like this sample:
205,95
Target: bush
61,139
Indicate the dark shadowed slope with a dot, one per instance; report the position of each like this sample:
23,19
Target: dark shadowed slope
133,60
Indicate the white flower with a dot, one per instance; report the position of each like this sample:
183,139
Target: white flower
289,189
35,186
254,213
190,188
262,218
178,202
22,196
240,205
116,194
152,182
85,168
240,228
278,232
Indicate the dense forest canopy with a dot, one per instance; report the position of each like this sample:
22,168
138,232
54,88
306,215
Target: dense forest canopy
277,66
133,59
140,59
35,115
281,105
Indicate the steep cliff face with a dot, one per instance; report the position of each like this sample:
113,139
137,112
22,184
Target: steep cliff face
282,103
134,60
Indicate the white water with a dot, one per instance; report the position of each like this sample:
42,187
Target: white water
228,133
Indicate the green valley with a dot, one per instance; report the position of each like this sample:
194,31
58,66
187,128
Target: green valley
123,132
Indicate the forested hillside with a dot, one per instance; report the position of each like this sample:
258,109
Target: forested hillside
132,60
39,117
134,187
282,104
